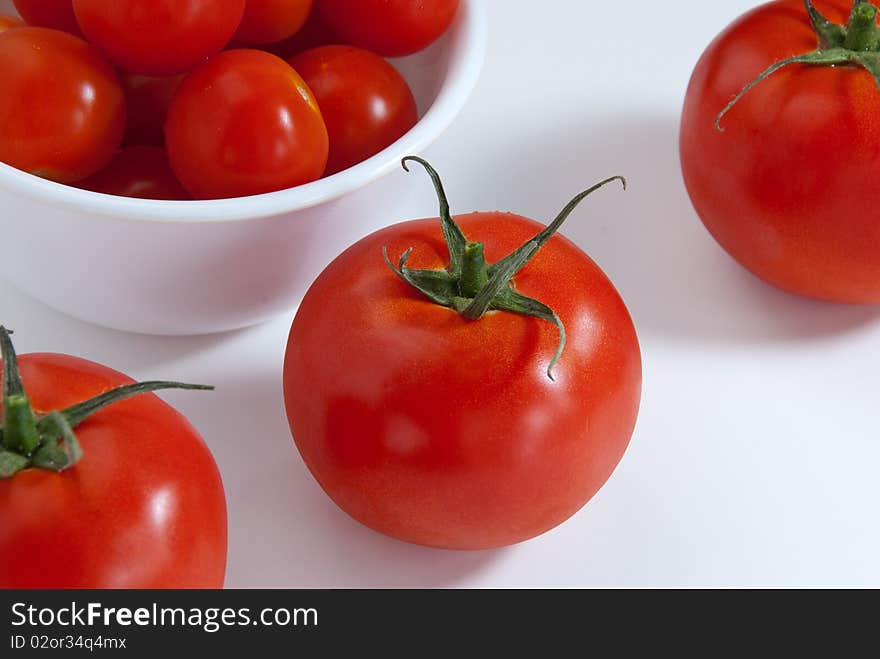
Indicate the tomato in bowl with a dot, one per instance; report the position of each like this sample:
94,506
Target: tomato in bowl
191,267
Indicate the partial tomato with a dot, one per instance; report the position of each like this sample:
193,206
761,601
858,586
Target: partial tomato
137,171
7,22
366,103
55,14
391,28
242,124
62,108
787,182
148,99
95,496
271,21
159,37
433,421
313,34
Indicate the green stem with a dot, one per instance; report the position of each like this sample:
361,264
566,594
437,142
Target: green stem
474,271
861,32
455,240
78,413
469,285
857,43
48,442
500,280
831,35
19,421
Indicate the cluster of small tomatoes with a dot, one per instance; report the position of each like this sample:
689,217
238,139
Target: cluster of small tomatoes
206,99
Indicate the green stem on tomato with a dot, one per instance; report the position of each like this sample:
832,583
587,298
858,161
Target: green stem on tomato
472,287
856,43
474,271
48,441
861,30
19,422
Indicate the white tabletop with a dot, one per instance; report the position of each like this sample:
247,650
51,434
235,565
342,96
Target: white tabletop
755,458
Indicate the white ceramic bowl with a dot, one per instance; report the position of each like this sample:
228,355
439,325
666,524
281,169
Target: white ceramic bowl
172,267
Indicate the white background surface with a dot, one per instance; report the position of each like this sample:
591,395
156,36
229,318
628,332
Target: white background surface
755,459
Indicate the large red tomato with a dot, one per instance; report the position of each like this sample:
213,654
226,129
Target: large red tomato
365,102
142,508
789,188
243,124
62,108
158,37
445,431
391,28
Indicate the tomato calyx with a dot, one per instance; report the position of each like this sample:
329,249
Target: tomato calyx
472,287
47,441
856,43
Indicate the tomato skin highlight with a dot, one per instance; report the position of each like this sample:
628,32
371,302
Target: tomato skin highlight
271,21
242,124
54,14
141,172
62,108
789,188
446,432
158,37
144,508
390,28
365,102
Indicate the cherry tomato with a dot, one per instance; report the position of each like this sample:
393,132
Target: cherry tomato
148,99
62,108
137,171
365,102
143,507
789,188
391,28
55,14
245,123
159,37
7,22
444,431
313,34
271,21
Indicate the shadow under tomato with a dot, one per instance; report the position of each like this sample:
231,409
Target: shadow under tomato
677,282
283,529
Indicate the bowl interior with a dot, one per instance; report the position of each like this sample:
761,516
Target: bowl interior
441,78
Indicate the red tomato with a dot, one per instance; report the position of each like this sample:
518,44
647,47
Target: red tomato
447,432
148,100
270,21
245,123
7,22
62,109
391,28
55,14
313,34
143,507
159,37
137,171
365,102
789,188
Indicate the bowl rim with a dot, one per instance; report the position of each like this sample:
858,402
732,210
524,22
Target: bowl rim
469,35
